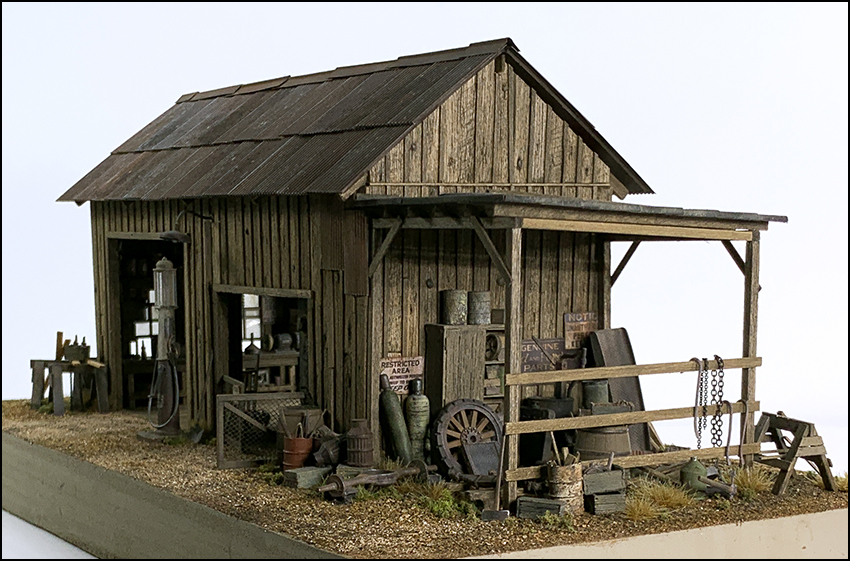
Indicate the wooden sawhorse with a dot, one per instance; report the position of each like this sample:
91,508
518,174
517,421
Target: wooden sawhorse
80,372
805,443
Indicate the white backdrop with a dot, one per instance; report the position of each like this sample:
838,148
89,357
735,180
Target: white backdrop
736,107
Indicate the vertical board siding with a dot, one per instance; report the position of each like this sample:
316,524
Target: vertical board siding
494,129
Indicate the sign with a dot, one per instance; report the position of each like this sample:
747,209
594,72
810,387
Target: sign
402,370
535,360
578,326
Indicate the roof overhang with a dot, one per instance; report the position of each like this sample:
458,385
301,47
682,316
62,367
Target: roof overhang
617,221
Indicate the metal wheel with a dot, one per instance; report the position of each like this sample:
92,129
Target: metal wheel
492,346
462,421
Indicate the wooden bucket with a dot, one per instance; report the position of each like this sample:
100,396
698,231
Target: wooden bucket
565,485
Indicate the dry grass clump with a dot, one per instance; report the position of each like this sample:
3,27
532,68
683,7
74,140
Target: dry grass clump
840,480
665,496
753,480
641,508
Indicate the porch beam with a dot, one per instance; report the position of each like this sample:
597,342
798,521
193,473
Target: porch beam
444,223
684,232
751,298
491,249
624,261
385,245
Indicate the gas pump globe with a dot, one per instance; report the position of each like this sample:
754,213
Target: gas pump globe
165,284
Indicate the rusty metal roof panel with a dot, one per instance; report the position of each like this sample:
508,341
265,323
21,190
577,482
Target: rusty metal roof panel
369,145
85,188
163,163
178,188
216,131
260,86
256,125
227,158
241,168
215,114
344,87
203,110
158,187
334,119
283,154
175,112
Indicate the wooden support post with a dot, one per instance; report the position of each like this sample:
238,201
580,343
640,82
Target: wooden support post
603,249
101,384
77,387
37,383
513,342
748,375
624,261
56,386
735,256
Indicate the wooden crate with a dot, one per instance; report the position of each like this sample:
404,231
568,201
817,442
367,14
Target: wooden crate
534,507
605,503
605,482
454,363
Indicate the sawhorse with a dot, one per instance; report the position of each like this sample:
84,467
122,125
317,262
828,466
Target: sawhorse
82,373
805,443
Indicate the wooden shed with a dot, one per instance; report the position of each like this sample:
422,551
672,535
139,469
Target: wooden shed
346,200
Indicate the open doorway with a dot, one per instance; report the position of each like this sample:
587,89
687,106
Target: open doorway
138,315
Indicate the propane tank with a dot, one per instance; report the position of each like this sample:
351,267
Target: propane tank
417,412
395,419
690,473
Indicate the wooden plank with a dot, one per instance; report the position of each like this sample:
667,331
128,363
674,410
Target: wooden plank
310,248
265,240
634,229
513,342
501,138
464,259
341,416
361,370
313,278
328,342
447,261
519,163
603,249
552,376
481,264
284,241
234,242
208,388
410,294
554,152
38,367
273,236
616,419
751,295
466,135
261,291
581,273
427,283
449,166
413,161
443,223
56,385
431,153
498,279
585,170
378,259
393,298
294,223
394,168
484,124
531,285
565,277
98,284
537,142
570,170
550,319
113,357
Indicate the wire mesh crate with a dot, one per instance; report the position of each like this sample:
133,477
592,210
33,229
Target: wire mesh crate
245,427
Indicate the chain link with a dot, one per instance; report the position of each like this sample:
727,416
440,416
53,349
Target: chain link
716,400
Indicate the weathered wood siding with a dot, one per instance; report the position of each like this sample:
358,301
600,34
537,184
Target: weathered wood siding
493,131
262,242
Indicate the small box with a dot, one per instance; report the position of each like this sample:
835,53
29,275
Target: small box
605,481
605,503
534,507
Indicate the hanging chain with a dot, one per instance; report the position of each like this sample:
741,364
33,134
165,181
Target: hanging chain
700,405
716,400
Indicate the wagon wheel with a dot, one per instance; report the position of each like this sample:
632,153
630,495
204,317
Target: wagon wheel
462,421
492,346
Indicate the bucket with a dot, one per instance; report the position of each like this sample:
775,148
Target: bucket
565,484
478,302
598,443
454,306
594,391
296,450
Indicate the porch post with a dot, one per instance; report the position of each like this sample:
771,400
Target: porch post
513,342
748,375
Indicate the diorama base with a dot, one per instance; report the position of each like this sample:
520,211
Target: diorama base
112,515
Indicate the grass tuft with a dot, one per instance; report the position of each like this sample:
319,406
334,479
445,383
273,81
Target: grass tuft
840,480
664,496
555,522
753,480
641,508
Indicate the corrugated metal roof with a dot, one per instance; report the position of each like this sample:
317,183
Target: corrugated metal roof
317,133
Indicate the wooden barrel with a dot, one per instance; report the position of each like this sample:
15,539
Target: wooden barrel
359,449
597,443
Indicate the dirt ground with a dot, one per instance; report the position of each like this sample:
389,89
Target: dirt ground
384,527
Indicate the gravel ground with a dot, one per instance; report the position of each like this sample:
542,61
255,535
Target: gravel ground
378,528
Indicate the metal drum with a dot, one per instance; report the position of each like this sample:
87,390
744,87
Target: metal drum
479,307
597,443
594,391
453,304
